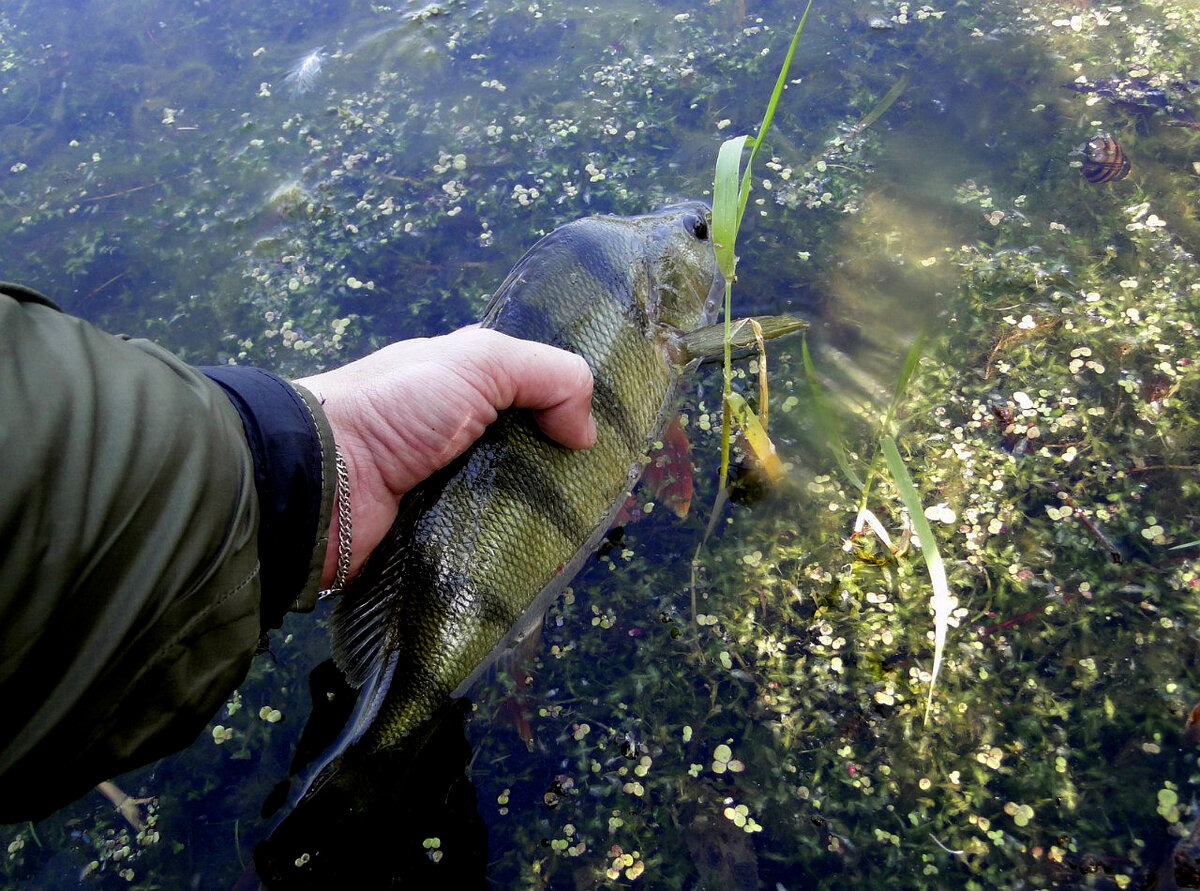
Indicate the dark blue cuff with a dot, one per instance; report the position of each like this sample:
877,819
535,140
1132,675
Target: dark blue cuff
286,448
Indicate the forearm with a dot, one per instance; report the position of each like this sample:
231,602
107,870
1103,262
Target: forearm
130,548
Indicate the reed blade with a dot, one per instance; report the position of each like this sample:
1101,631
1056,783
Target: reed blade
941,601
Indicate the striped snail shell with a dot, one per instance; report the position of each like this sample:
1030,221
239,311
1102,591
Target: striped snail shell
1103,160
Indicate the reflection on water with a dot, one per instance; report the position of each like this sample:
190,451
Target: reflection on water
766,728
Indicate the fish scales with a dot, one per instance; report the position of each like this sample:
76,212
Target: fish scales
493,535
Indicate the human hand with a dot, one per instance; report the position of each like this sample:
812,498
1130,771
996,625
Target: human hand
411,408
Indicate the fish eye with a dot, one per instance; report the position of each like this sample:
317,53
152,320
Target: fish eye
698,225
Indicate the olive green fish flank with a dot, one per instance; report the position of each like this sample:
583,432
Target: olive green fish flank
526,483
613,412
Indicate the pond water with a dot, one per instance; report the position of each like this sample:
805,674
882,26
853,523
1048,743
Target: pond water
763,724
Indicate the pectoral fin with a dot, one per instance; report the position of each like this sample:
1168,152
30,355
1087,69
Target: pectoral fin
708,344
667,478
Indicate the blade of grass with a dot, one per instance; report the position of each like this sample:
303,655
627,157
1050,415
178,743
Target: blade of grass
884,104
911,360
725,202
871,117
769,115
729,205
941,601
906,373
725,228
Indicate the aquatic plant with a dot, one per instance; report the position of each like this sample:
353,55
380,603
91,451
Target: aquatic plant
782,735
731,191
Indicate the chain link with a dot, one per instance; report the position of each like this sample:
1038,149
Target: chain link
345,529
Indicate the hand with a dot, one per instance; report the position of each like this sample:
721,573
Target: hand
411,408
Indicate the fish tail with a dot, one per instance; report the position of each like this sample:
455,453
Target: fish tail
363,799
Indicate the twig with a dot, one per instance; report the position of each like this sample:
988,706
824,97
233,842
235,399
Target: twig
1113,551
122,192
1021,619
97,290
1149,467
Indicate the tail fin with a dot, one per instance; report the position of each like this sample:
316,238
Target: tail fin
364,820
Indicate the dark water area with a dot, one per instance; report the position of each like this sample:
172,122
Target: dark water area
293,185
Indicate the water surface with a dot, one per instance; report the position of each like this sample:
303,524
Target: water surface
162,177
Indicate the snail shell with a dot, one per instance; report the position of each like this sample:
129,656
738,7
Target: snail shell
1104,161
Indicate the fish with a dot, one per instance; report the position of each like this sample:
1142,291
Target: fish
482,546
497,533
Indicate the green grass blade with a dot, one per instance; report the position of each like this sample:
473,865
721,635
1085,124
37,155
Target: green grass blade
826,422
933,559
884,104
906,373
769,115
725,229
731,190
725,204
727,388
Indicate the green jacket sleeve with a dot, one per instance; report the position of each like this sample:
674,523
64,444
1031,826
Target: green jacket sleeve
129,554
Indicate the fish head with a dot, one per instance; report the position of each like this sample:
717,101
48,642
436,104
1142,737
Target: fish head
685,287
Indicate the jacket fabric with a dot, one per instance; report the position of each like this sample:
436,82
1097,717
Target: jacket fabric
155,519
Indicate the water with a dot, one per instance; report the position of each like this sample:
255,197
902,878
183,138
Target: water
161,178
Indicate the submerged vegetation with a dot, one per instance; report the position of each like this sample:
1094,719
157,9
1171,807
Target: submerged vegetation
173,187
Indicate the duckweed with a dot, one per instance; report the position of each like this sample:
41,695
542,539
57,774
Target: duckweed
1049,427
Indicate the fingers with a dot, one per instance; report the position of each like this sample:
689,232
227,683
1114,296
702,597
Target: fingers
554,384
557,385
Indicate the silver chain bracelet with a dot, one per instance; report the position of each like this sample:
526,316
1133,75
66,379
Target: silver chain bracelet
345,529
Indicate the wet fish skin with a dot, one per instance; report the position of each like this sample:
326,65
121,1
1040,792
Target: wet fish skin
496,534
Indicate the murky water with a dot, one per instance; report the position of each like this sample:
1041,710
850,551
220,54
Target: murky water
767,726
